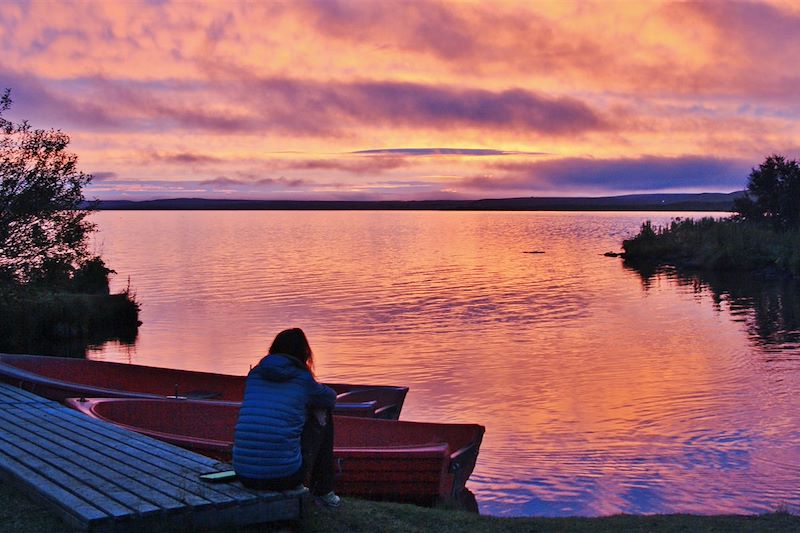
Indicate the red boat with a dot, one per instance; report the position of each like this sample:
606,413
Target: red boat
378,459
59,378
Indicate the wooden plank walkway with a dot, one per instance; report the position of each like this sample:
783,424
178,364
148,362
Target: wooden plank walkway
98,477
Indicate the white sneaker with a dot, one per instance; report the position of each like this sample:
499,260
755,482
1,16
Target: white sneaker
329,500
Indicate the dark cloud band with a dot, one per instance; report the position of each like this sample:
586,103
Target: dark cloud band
303,107
642,174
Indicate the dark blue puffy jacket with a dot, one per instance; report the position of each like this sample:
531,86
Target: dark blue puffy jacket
277,397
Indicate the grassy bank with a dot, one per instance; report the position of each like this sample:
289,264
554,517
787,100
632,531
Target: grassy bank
716,244
64,323
18,514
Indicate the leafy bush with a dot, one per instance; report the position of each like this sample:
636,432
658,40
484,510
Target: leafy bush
91,277
716,244
63,323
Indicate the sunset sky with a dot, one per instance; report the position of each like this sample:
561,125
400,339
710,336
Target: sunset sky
408,99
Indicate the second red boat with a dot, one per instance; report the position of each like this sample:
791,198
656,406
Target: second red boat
378,459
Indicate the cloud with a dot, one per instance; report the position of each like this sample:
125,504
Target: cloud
314,108
221,181
377,161
249,179
100,103
751,43
423,152
300,107
285,182
366,165
679,48
45,106
429,26
221,186
458,34
649,173
183,158
103,176
143,188
185,88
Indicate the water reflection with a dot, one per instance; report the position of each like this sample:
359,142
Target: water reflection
768,303
598,397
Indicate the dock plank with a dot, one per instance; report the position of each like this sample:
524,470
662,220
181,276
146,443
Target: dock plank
156,452
131,450
66,417
72,507
125,458
41,462
88,465
100,477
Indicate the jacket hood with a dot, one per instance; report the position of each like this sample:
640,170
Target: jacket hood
279,367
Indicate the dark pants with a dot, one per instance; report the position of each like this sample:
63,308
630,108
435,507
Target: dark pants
317,470
317,447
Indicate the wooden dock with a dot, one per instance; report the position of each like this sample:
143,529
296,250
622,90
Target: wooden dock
99,477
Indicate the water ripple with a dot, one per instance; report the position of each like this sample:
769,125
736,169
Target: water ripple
602,390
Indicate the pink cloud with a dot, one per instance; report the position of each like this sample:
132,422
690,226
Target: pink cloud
190,158
750,44
364,165
221,182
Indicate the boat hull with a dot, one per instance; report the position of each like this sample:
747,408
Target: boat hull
59,378
377,459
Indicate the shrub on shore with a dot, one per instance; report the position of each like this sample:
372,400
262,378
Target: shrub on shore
64,323
763,234
64,316
716,244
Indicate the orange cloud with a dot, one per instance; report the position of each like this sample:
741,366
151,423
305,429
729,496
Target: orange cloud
204,88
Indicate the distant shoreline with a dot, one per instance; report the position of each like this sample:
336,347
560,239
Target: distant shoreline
720,202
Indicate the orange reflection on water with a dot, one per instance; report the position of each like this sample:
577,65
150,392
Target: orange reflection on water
598,396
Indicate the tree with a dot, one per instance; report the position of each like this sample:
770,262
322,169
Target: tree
43,227
773,193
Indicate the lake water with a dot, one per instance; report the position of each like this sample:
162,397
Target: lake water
603,390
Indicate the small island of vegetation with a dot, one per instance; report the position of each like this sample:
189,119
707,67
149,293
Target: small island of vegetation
54,293
762,235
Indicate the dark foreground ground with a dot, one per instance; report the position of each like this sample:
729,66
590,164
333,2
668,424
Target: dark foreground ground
20,514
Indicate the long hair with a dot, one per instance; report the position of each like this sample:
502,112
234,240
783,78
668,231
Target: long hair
294,342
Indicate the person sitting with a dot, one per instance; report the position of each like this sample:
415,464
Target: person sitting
284,433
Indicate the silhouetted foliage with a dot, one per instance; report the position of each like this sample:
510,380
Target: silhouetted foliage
773,193
65,323
763,235
54,295
43,231
91,277
715,244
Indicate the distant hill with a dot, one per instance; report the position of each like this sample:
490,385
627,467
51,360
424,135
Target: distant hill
631,202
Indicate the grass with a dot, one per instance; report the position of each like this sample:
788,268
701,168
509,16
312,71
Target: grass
716,244
18,514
